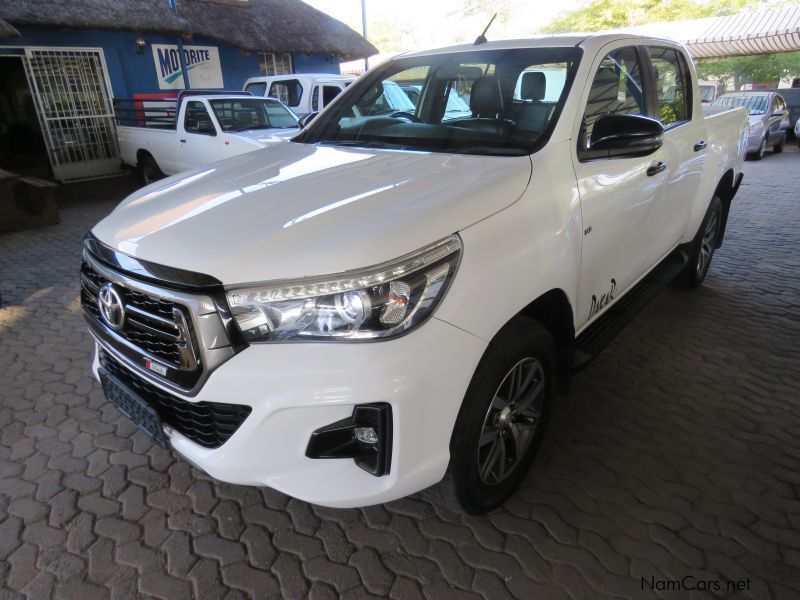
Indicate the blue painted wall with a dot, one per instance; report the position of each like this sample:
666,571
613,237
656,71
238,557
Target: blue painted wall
132,72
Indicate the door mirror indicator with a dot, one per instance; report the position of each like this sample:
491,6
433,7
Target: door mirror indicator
623,136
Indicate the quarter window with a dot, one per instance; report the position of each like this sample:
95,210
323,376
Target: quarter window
672,85
616,90
288,91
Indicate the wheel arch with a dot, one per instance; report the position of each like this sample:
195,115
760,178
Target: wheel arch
726,189
554,311
141,153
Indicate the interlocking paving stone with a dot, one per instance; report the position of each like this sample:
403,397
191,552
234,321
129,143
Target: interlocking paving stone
676,453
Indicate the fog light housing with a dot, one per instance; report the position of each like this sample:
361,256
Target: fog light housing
365,437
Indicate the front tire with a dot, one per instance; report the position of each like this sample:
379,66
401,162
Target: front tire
702,248
149,170
503,417
778,148
762,150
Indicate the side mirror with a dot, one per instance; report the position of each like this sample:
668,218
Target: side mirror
306,119
623,136
779,113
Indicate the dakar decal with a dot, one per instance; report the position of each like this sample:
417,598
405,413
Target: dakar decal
599,304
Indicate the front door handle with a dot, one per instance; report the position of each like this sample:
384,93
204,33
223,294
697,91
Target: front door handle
182,141
701,145
656,168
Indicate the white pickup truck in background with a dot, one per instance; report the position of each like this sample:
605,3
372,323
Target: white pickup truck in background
304,93
167,136
394,297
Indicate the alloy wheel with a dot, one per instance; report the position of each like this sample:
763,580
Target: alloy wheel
707,244
512,420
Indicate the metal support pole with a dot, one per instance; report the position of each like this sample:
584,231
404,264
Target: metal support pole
364,28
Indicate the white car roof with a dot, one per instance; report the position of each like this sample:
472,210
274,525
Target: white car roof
584,40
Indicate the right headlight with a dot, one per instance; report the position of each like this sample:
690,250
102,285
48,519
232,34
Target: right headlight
378,302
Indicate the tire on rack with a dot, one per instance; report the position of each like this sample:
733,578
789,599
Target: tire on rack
502,419
149,169
701,250
778,148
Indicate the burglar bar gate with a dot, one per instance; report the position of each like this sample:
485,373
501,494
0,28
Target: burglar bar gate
70,92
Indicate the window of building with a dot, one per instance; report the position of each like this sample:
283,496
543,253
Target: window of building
288,91
276,64
672,85
616,90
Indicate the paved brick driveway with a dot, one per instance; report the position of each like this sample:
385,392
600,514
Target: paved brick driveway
675,455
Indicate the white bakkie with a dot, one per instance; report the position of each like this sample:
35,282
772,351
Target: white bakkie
164,137
393,298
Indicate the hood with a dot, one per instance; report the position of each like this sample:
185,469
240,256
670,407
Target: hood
294,210
264,137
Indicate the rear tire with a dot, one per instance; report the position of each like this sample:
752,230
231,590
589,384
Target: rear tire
503,417
149,170
702,248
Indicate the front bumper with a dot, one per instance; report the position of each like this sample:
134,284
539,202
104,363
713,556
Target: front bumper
754,140
297,388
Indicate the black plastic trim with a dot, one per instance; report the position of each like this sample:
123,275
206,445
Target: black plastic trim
173,277
338,439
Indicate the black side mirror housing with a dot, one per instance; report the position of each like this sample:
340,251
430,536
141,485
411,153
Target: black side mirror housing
306,119
623,136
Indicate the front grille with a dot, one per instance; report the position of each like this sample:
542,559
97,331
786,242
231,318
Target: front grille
209,424
151,323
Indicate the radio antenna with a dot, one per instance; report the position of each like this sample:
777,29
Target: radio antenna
481,39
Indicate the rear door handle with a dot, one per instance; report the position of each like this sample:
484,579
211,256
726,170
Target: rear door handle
183,141
701,145
656,168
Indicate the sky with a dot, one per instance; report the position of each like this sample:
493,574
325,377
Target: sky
418,24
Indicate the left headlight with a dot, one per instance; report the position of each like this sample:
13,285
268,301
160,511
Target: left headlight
382,301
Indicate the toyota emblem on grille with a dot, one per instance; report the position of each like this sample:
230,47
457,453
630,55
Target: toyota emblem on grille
111,308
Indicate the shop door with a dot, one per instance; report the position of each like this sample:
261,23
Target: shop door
72,99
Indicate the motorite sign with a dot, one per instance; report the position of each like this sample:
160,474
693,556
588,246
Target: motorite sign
202,64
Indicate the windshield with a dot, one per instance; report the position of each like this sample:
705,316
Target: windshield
497,102
755,105
244,114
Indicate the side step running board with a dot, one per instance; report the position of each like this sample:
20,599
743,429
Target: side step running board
600,333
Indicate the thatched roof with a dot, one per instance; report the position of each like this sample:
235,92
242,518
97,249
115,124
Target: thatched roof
265,25
6,30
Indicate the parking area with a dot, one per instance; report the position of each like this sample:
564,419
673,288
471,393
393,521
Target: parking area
673,465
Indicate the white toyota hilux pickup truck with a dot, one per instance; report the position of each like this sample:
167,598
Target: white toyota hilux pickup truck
162,136
392,299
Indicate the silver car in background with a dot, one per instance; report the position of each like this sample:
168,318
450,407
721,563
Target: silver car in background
769,119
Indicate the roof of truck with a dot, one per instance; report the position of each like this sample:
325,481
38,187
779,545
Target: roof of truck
544,41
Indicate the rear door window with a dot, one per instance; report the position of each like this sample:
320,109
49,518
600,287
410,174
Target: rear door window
672,85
